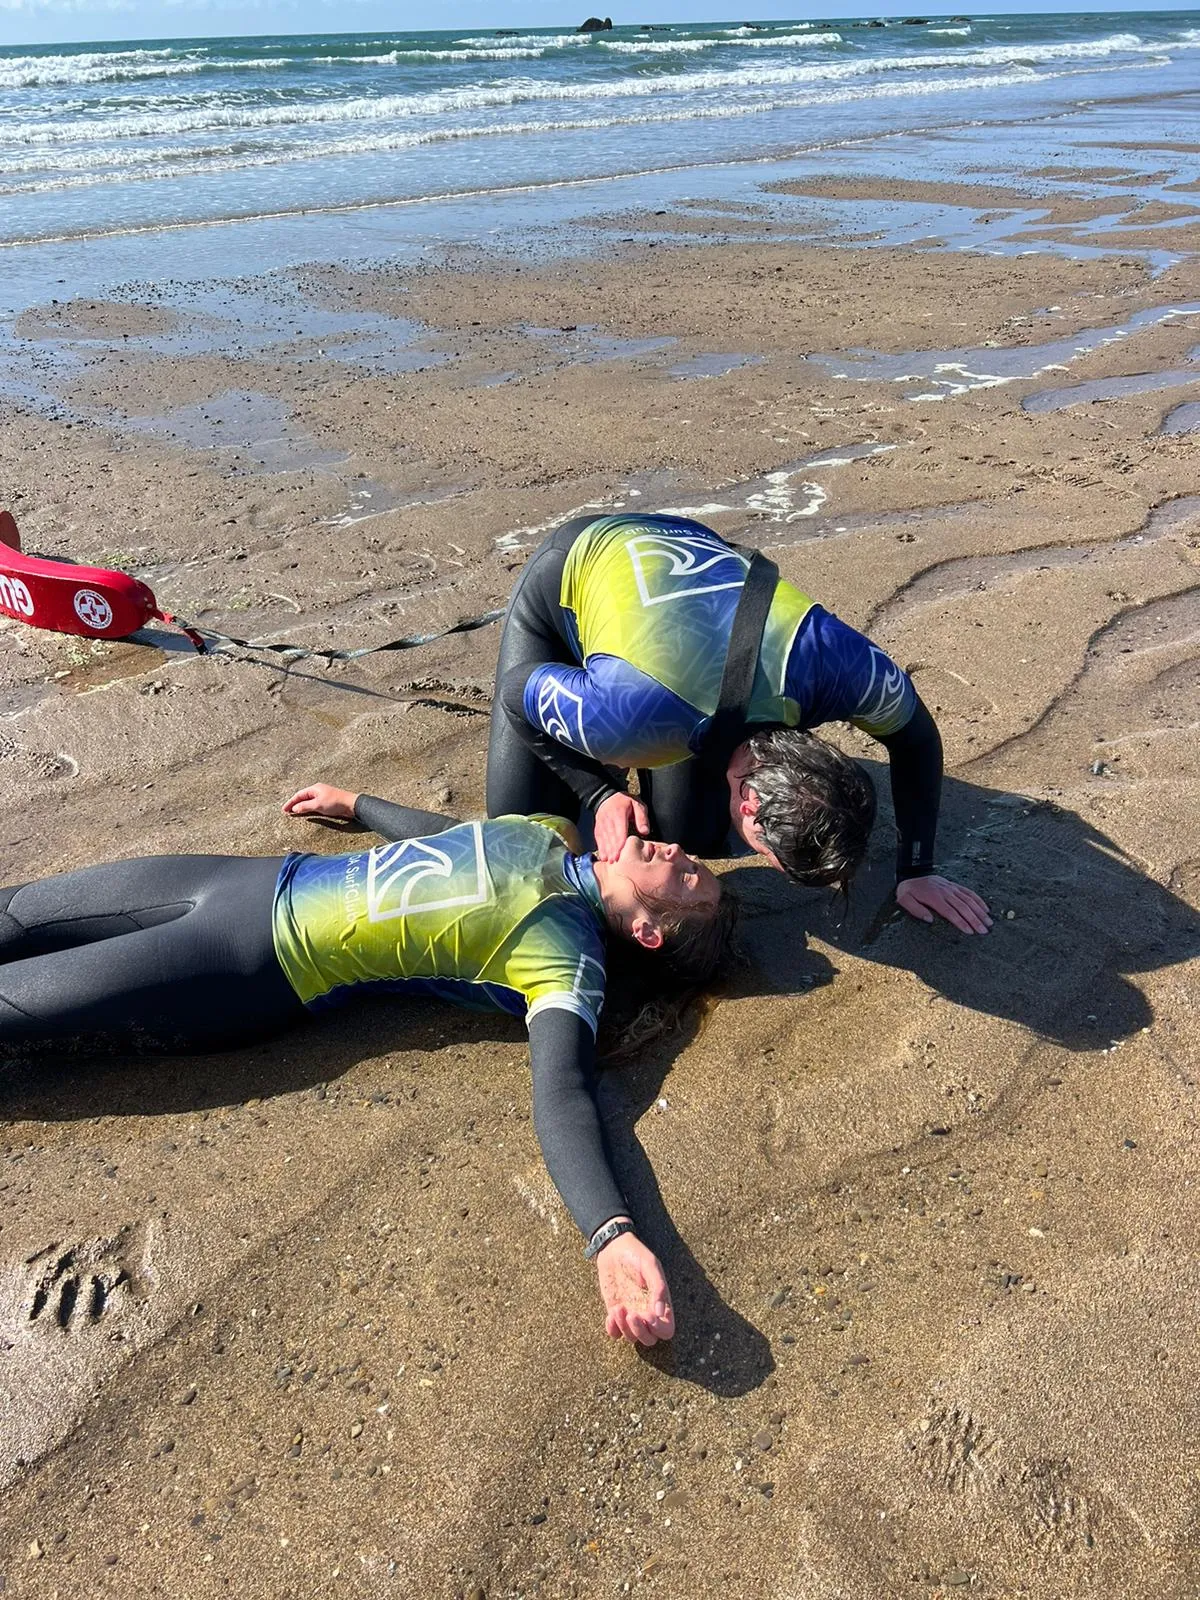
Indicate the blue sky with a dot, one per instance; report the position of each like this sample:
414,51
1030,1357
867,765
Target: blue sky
55,21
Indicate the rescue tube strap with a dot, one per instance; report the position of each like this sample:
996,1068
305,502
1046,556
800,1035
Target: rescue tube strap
727,728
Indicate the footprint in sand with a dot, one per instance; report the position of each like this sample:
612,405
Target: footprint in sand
73,1287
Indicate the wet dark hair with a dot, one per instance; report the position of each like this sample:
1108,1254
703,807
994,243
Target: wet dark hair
816,807
696,941
653,993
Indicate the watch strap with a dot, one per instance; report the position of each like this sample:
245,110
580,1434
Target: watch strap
605,1235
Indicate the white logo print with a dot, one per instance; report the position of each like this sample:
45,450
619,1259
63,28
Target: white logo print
396,872
586,1002
885,693
595,997
15,596
92,609
560,712
686,558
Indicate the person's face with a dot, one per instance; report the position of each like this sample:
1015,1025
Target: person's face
656,872
743,805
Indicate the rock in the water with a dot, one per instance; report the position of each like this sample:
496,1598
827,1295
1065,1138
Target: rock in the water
594,25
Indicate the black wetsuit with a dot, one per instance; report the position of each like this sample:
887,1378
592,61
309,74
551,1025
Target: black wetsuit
177,953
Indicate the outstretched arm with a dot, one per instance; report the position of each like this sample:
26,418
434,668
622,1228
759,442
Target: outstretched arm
915,756
384,817
392,821
567,1121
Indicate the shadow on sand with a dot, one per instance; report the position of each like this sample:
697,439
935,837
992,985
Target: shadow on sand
72,1090
1086,918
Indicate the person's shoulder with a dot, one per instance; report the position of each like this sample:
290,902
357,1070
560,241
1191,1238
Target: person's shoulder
566,831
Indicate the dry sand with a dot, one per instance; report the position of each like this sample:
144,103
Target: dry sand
927,1204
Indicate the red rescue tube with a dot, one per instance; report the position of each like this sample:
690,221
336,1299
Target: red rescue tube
97,602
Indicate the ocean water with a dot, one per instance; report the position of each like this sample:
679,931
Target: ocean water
120,139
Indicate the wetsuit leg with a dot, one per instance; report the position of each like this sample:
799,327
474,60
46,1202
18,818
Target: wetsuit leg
165,953
689,806
517,782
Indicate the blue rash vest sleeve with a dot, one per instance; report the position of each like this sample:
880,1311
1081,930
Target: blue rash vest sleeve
841,676
611,711
567,1120
837,674
587,779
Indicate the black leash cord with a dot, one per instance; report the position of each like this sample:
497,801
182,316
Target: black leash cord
203,638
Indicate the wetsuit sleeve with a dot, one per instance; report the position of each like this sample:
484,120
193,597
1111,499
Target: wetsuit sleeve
845,677
588,780
915,757
395,822
581,721
567,1119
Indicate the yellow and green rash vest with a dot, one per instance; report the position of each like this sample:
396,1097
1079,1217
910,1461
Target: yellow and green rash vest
504,914
648,605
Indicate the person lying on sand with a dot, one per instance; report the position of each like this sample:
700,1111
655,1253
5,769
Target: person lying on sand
614,655
188,952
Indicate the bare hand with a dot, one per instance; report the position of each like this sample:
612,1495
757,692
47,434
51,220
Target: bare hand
924,898
635,1292
322,800
616,818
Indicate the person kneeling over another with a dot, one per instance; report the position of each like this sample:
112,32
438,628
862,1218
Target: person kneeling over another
642,641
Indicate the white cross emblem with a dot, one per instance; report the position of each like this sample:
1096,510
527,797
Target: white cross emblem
92,609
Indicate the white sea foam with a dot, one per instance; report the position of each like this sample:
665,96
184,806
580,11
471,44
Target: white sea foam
214,113
130,161
394,58
754,41
745,32
543,41
46,72
97,67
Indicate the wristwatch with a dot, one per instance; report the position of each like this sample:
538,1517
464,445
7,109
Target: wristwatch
606,1235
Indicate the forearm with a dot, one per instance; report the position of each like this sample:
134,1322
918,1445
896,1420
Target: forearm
915,756
567,1120
395,822
589,780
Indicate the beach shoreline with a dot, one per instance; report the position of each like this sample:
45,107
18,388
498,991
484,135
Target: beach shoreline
924,1202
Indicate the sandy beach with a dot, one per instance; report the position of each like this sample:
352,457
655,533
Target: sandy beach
309,1319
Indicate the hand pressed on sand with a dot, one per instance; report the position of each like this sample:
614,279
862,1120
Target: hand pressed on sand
321,800
924,898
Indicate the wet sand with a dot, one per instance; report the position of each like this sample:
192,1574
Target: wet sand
309,1319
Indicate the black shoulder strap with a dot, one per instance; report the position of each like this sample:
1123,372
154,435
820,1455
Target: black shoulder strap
728,723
